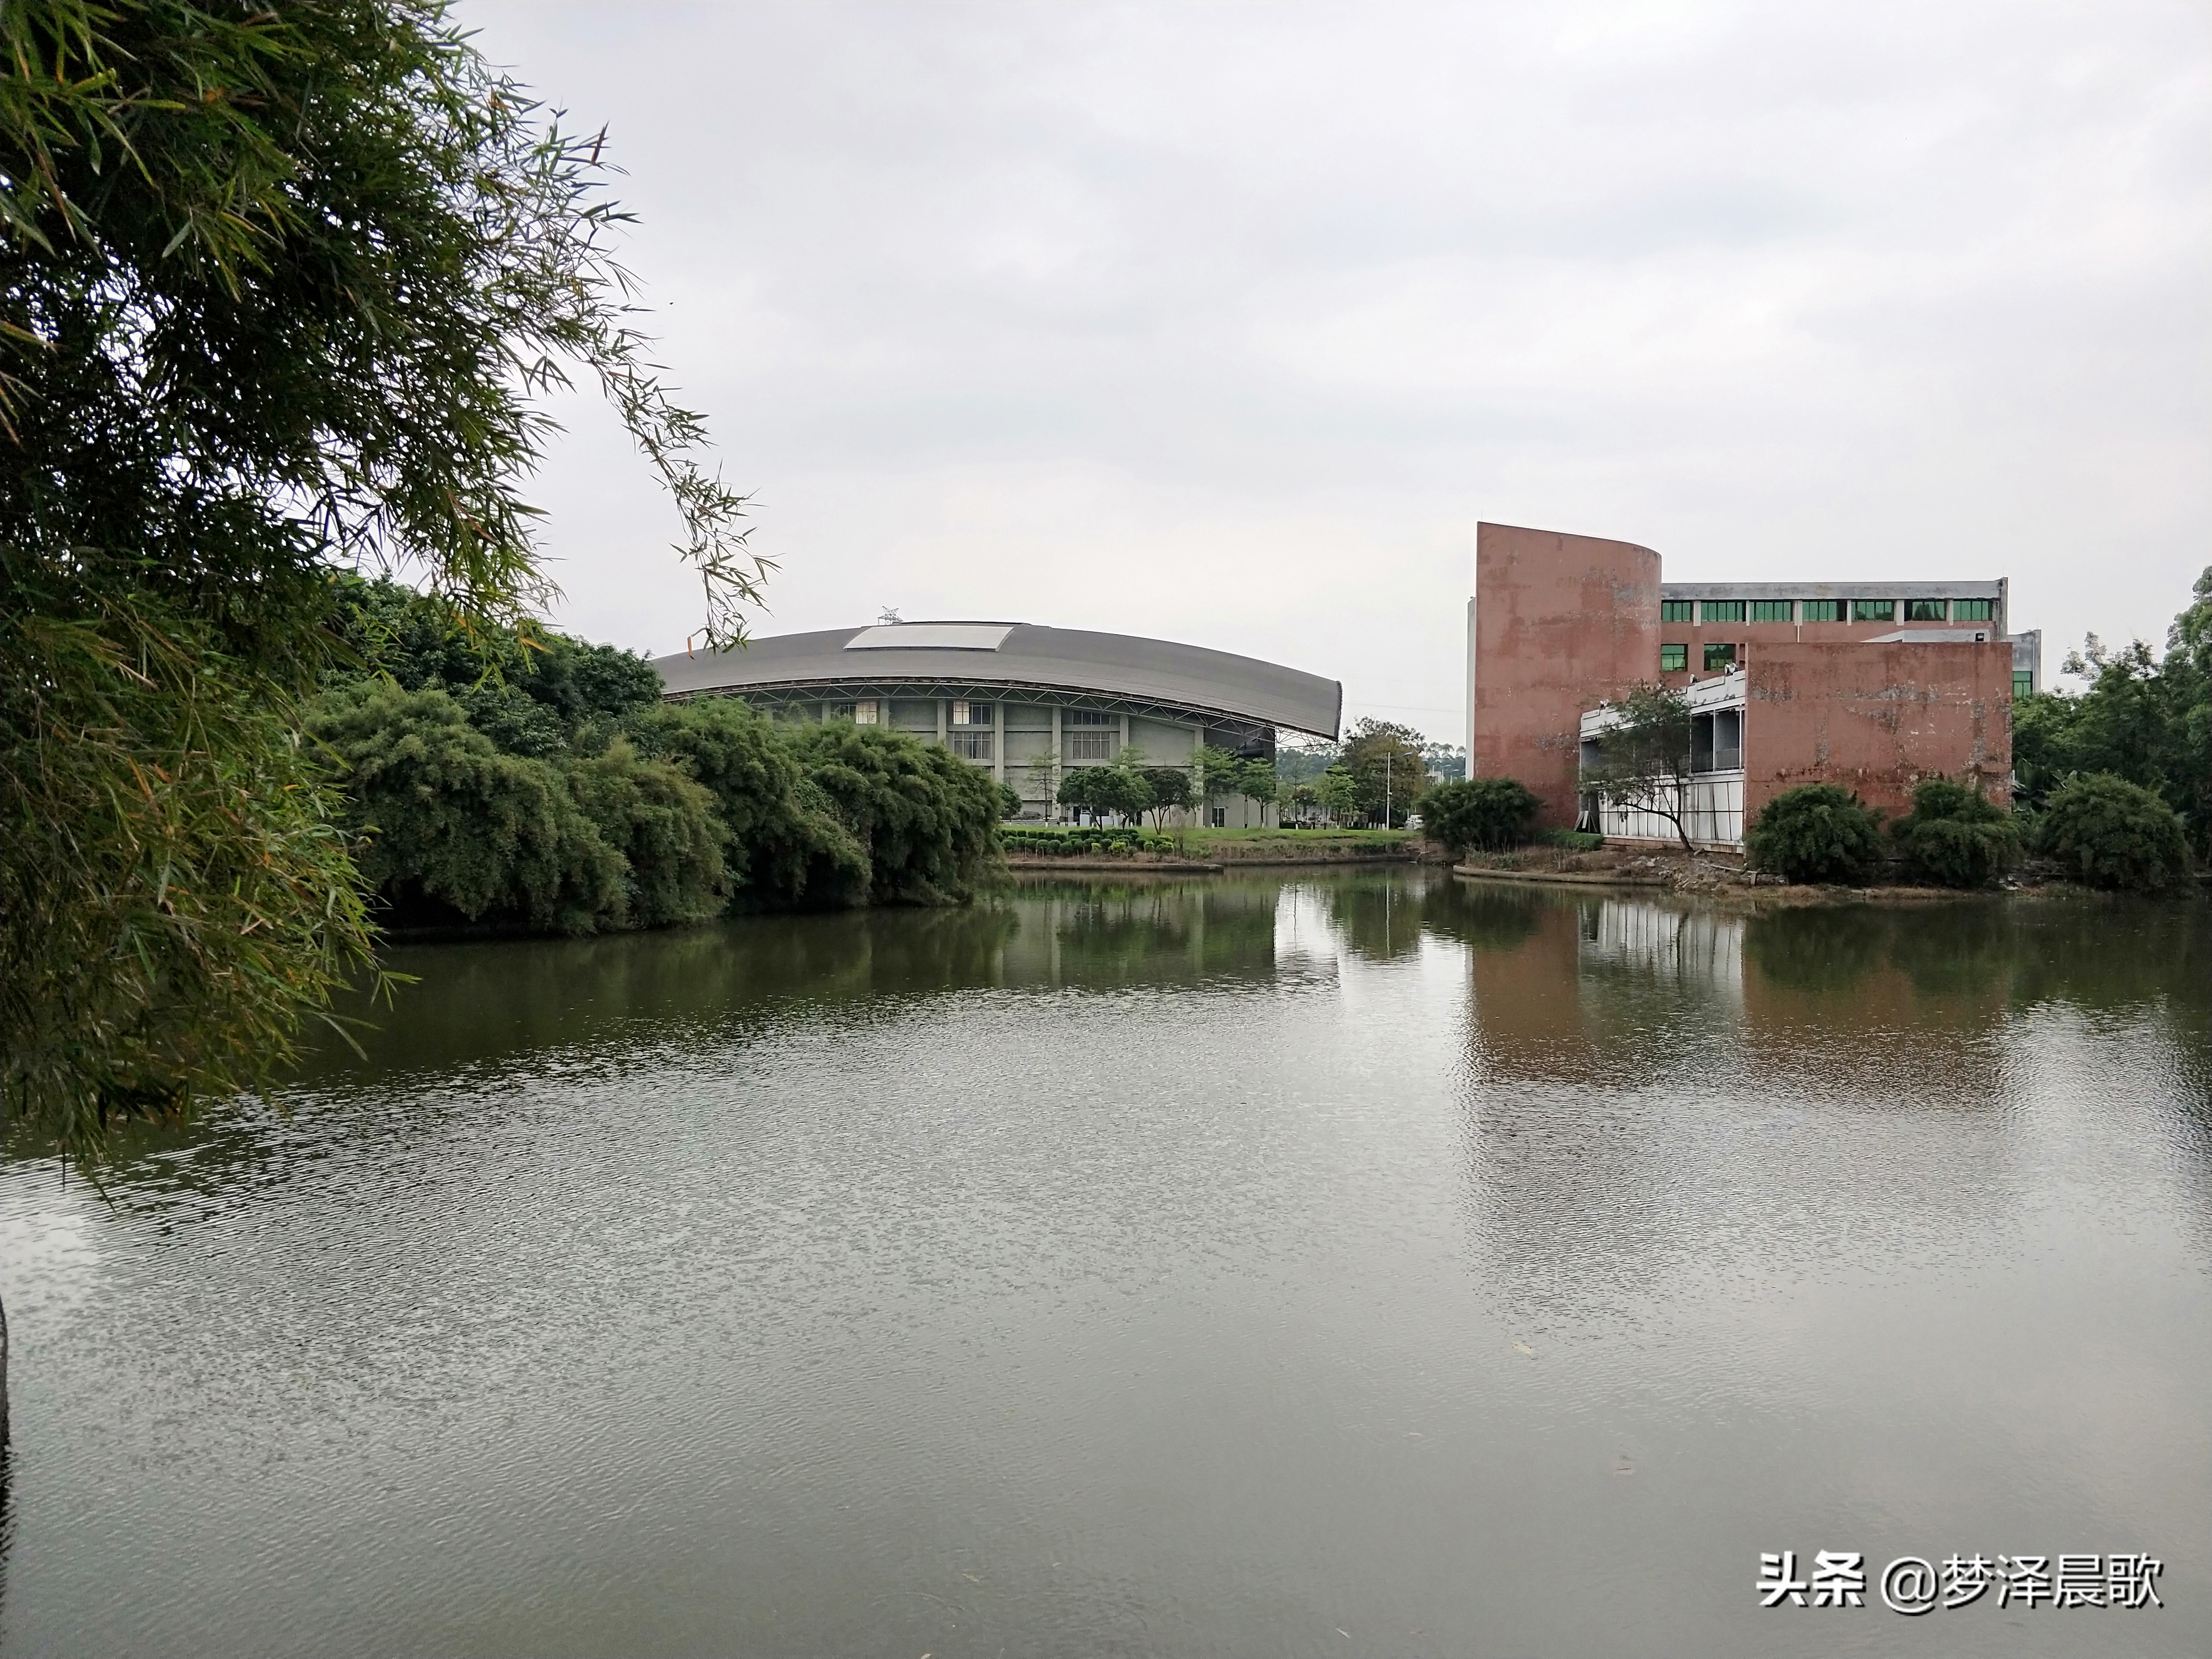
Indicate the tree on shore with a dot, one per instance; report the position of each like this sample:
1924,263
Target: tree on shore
1388,771
2111,833
1171,792
1044,773
927,820
1643,756
286,295
1303,762
1446,762
2143,719
1112,788
1224,774
1216,775
1337,793
1956,836
1124,791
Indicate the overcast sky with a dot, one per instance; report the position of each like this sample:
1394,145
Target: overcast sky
1226,322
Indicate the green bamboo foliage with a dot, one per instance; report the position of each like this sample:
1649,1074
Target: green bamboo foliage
788,844
642,815
928,820
451,829
284,295
664,825
175,889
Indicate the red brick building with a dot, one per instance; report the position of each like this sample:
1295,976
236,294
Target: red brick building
1874,686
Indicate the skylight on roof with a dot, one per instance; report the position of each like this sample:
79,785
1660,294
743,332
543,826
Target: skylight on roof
932,637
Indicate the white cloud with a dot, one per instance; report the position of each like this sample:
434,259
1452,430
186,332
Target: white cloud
1225,322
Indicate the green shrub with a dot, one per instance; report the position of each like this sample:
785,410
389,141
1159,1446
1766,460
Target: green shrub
928,819
452,827
1484,812
1571,841
666,827
2111,833
1955,837
1072,841
787,844
1816,832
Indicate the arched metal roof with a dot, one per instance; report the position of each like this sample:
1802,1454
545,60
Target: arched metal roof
1013,659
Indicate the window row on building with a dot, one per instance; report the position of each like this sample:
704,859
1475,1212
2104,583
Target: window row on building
869,711
1719,658
1827,611
1019,733
1076,747
1675,658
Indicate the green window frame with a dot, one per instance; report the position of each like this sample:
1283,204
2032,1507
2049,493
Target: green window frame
1719,658
1974,610
1771,610
1677,611
1874,610
1821,610
1724,611
1674,659
2023,683
1927,610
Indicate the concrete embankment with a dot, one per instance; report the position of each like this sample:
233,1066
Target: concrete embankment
1563,877
1140,863
1233,855
1722,876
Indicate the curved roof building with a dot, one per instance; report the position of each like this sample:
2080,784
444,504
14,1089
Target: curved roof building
1026,700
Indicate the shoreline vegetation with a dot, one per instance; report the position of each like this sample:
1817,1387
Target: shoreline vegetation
517,784
511,781
1727,876
516,781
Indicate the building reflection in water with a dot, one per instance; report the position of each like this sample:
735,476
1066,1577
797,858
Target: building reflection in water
1107,934
1653,1091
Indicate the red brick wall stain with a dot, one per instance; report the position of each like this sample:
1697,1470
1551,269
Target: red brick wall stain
1561,622
1878,718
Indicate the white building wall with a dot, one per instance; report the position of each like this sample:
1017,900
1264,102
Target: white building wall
1031,746
1714,816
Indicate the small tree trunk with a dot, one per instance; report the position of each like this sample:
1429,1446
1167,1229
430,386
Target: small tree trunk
1682,816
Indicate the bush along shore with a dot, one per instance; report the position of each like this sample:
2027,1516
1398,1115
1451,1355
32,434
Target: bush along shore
2096,830
505,784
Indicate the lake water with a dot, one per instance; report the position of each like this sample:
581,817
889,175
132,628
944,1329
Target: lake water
1372,1264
